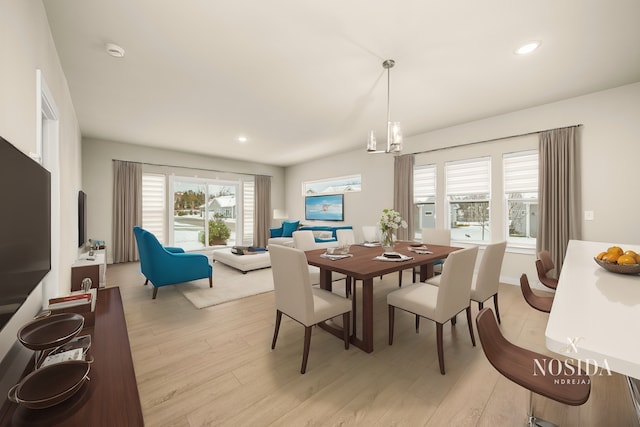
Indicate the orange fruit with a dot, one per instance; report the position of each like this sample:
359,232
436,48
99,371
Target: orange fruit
630,252
611,257
638,258
627,259
615,250
601,255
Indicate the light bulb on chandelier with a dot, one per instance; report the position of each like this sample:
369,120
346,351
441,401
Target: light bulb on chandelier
394,133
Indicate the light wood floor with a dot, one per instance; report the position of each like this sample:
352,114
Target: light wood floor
215,366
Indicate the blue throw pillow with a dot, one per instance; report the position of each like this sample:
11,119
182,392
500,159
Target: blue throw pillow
275,232
288,227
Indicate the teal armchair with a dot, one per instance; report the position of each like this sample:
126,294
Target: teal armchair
164,265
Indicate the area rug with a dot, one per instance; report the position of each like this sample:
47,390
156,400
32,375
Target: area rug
228,284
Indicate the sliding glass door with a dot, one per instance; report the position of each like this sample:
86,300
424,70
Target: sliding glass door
205,212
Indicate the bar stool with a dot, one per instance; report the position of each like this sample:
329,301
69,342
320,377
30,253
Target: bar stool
538,302
544,264
569,386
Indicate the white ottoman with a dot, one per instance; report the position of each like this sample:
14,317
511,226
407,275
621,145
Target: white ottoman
243,263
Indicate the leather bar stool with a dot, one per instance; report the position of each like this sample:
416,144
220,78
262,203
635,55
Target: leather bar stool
538,302
544,264
568,386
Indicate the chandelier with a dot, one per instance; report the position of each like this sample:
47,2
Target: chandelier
394,133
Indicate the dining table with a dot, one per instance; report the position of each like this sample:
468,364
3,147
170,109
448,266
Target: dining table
596,313
365,262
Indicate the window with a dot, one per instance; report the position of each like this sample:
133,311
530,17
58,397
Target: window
343,184
468,188
249,189
521,193
424,198
153,204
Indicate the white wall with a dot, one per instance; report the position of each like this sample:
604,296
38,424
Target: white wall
609,153
97,172
26,45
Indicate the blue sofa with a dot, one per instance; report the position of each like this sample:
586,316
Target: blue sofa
322,233
164,265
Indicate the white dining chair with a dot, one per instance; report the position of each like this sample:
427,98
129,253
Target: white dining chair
296,298
439,303
305,241
345,236
370,233
487,280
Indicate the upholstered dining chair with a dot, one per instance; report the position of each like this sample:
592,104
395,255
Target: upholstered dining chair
370,233
434,236
296,298
304,240
540,303
487,280
570,386
439,303
345,236
544,264
164,265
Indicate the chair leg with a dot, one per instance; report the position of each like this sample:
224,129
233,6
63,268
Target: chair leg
440,349
146,282
305,352
155,292
391,321
495,304
211,281
347,286
345,329
276,329
454,319
532,420
400,278
473,339
480,305
417,323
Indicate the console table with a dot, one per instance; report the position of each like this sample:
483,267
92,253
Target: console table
111,397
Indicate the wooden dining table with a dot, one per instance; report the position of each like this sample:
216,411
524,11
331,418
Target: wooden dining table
363,265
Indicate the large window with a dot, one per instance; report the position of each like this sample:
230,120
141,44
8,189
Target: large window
468,190
424,198
521,194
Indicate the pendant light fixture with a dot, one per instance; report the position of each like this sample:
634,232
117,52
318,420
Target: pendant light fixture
394,133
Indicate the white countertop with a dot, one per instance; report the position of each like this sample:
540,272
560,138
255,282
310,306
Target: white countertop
596,312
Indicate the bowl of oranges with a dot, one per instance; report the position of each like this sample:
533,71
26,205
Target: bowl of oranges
616,260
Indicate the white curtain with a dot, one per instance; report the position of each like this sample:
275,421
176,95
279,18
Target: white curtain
127,209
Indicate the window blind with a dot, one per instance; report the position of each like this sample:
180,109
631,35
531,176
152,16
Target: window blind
466,177
153,204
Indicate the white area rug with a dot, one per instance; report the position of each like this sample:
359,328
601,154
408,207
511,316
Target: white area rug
228,284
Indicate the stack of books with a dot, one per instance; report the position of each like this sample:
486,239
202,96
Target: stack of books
74,299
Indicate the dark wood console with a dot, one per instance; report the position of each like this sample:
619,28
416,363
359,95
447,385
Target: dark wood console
111,397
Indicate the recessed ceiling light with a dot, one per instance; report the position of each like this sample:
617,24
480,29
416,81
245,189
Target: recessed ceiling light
114,50
527,48
242,139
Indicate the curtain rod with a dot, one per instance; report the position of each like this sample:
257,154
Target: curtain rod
192,168
494,139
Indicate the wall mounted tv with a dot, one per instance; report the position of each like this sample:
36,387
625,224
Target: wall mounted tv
25,227
328,207
82,218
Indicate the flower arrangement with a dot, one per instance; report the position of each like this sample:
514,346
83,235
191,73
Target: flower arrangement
389,222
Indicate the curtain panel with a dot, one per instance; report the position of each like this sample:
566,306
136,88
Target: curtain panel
127,209
559,192
403,193
263,211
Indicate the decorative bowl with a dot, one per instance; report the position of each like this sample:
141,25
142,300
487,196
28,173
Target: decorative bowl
339,250
619,268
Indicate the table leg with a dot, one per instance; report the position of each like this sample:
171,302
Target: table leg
426,271
366,343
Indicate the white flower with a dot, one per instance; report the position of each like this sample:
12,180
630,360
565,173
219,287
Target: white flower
391,221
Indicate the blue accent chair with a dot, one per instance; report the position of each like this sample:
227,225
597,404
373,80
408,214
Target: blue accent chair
164,265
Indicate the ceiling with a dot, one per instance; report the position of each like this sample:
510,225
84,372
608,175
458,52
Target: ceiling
303,79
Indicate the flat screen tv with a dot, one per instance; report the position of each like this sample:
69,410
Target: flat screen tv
82,218
328,207
25,227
